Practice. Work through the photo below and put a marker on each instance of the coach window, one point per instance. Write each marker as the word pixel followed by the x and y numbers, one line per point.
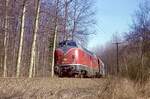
pixel 71 43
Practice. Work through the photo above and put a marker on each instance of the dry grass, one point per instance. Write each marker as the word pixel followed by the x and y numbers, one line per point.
pixel 70 88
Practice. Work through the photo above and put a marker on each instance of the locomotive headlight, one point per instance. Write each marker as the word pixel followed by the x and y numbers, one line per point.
pixel 65 59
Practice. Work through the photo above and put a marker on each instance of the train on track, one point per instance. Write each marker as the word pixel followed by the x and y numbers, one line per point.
pixel 72 60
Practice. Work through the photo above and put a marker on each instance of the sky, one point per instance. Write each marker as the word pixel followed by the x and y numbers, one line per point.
pixel 112 16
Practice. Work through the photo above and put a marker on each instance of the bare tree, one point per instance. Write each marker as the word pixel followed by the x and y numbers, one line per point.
pixel 21 37
pixel 65 18
pixel 139 38
pixel 55 36
pixel 26 39
pixel 80 19
pixel 34 38
pixel 5 40
pixel 134 52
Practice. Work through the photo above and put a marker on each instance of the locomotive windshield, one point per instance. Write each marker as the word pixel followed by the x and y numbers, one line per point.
pixel 68 43
pixel 71 43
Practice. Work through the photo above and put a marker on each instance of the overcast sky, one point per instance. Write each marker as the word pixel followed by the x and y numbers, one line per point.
pixel 112 16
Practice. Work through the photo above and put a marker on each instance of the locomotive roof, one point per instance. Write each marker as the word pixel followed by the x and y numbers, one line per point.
pixel 68 42
pixel 89 51
pixel 75 44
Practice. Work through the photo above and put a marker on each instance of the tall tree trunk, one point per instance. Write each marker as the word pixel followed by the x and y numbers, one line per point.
pixel 21 38
pixel 74 20
pixel 66 17
pixel 5 40
pixel 142 61
pixel 34 64
pixel 54 47
pixel 55 37
pixel 34 39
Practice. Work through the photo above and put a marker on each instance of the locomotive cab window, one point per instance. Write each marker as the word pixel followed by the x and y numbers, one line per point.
pixel 71 43
pixel 68 43
pixel 62 44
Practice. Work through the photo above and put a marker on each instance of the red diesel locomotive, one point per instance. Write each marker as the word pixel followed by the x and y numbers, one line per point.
pixel 75 61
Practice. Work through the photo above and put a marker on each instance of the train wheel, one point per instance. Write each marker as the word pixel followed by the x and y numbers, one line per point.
pixel 98 75
pixel 83 74
pixel 60 74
